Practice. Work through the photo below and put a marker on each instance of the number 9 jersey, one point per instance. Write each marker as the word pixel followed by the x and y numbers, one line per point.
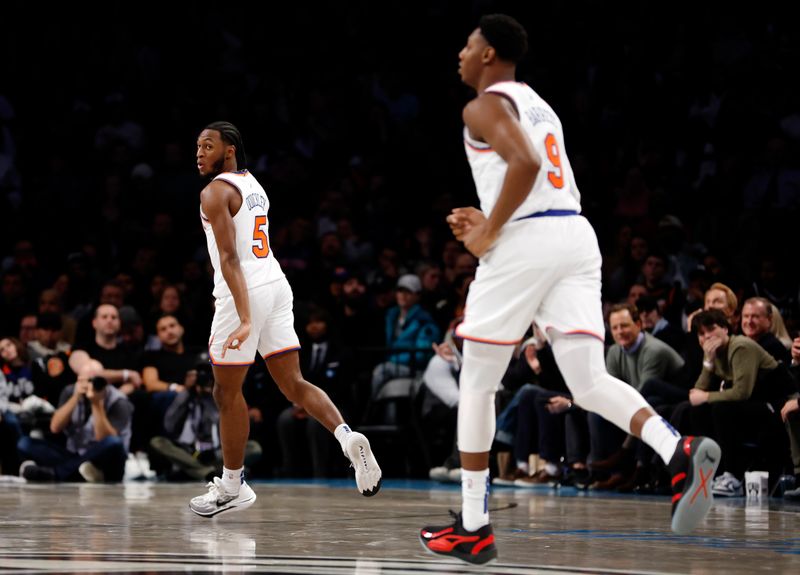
pixel 259 265
pixel 554 188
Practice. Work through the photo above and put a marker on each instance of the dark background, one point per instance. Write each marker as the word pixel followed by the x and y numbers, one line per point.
pixel 354 108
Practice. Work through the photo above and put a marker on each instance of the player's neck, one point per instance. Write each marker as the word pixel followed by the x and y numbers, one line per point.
pixel 494 76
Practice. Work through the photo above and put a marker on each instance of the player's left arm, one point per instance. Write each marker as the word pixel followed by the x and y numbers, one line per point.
pixel 493 119
pixel 215 201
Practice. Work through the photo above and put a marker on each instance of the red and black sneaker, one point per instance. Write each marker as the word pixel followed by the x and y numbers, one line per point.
pixel 692 468
pixel 476 547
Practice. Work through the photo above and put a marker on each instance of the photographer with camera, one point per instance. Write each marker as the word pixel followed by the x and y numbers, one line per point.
pixel 191 445
pixel 96 419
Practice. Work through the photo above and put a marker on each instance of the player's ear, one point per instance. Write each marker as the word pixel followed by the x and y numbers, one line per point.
pixel 489 54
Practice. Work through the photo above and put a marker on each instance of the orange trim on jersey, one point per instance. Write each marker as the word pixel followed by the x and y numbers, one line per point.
pixel 489 341
pixel 224 364
pixel 217 364
pixel 280 351
pixel 489 149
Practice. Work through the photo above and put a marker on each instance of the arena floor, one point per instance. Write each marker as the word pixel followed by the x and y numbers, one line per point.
pixel 328 528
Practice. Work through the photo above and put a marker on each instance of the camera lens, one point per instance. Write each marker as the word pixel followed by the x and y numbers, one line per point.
pixel 99 383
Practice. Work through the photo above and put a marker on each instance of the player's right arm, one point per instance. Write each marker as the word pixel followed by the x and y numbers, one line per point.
pixel 215 200
pixel 492 119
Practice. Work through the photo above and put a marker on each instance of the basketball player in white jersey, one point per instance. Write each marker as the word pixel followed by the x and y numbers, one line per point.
pixel 253 314
pixel 539 261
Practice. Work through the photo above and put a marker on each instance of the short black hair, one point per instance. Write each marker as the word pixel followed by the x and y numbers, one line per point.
pixel 709 319
pixel 230 135
pixel 647 303
pixel 507 36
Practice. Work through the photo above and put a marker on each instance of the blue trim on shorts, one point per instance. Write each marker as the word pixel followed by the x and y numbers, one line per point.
pixel 549 214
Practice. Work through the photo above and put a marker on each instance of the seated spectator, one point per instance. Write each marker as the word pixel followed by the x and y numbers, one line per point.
pixel 165 369
pixel 27 328
pixel 190 447
pixel 50 302
pixel 737 397
pixel 163 373
pixel 410 333
pixel 120 366
pixel 111 293
pixel 541 423
pixel 95 418
pixel 721 297
pixel 21 410
pixel 659 285
pixel 48 339
pixel 170 302
pixel 654 323
pixel 718 296
pixel 654 369
pixel 757 320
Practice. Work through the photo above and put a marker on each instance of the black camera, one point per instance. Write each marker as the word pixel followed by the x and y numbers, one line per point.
pixel 99 383
pixel 205 377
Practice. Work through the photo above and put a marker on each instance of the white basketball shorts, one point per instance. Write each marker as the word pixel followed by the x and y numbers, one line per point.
pixel 272 321
pixel 544 269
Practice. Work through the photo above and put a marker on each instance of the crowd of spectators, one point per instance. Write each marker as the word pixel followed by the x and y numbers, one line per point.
pixel 683 133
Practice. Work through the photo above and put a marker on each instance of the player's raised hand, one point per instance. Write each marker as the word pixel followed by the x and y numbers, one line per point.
pixel 237 337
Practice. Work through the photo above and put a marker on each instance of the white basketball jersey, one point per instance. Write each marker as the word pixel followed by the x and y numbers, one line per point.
pixel 259 266
pixel 554 188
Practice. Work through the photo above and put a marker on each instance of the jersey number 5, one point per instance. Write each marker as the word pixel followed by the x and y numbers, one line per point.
pixel 260 240
pixel 556 176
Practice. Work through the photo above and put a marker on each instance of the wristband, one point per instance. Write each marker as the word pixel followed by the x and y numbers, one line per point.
pixel 173 386
pixel 125 374
pixel 709 365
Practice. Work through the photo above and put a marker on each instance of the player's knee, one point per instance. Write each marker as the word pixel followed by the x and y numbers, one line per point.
pixel 587 385
pixel 224 395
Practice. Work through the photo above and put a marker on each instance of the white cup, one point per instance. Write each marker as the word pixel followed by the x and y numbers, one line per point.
pixel 756 484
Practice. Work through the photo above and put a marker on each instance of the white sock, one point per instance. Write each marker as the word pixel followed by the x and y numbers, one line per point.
pixel 551 469
pixel 232 479
pixel 523 466
pixel 341 432
pixel 475 499
pixel 661 436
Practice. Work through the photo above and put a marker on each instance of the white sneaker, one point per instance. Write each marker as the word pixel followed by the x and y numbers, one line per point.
pixel 217 500
pixel 91 473
pixel 726 485
pixel 440 473
pixel 454 475
pixel 368 473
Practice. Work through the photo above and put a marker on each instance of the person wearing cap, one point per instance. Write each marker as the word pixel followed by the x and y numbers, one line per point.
pixel 410 334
